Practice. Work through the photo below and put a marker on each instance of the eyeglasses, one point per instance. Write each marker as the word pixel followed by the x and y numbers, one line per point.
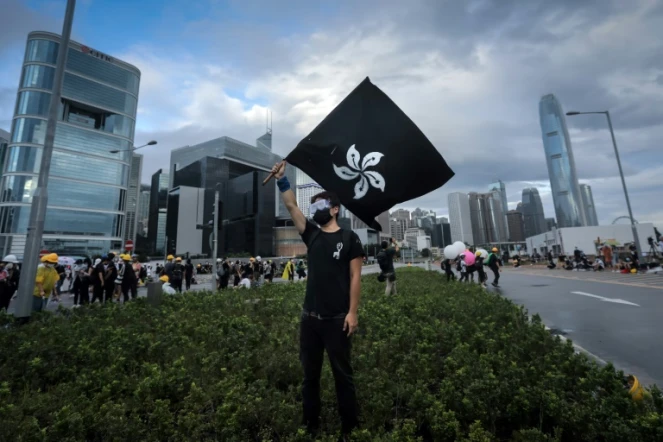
pixel 319 205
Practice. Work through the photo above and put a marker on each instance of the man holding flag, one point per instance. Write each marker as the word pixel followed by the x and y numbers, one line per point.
pixel 329 316
pixel 372 156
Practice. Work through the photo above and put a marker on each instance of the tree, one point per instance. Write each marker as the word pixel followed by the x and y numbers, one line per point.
pixel 425 253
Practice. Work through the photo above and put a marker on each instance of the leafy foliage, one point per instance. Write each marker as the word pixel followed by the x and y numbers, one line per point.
pixel 443 362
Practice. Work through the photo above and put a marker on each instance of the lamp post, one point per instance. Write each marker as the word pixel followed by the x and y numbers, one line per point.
pixel 132 149
pixel 35 229
pixel 636 239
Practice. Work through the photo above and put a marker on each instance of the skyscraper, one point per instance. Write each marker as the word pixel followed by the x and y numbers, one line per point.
pixel 487 218
pixel 87 186
pixel 133 198
pixel 4 142
pixel 532 209
pixel 498 186
pixel 516 225
pixel 156 230
pixel 588 205
pixel 561 165
pixel 459 218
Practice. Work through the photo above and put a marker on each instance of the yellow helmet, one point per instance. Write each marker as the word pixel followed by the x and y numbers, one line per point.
pixel 179 259
pixel 170 257
pixel 477 254
pixel 495 250
pixel 51 258
pixel 164 278
pixel 125 257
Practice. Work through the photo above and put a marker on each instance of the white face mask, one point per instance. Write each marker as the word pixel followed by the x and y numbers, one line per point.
pixel 48 265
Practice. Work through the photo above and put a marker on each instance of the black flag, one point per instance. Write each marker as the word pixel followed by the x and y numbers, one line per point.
pixel 371 155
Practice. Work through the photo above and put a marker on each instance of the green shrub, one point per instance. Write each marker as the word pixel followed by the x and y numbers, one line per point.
pixel 443 362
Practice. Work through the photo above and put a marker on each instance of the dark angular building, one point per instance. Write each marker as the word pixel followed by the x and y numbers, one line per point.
pixel 516 225
pixel 532 209
pixel 156 224
pixel 246 209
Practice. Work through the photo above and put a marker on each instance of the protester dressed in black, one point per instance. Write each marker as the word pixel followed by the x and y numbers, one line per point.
pixel 329 316
pixel 188 273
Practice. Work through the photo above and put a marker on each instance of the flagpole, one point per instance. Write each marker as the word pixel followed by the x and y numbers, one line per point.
pixel 271 175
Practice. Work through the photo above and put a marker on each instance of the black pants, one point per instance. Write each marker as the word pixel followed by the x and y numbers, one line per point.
pixel 81 291
pixel 496 272
pixel 176 284
pixel 224 282
pixel 130 286
pixel 188 282
pixel 5 296
pixel 482 275
pixel 450 275
pixel 316 336
pixel 98 293
pixel 109 290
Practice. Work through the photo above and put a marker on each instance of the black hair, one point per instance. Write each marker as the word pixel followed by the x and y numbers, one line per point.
pixel 384 244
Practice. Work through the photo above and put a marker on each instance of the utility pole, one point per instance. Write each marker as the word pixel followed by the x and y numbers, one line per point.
pixel 40 198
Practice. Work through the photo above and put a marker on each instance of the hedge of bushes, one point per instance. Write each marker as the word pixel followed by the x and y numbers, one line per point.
pixel 440 361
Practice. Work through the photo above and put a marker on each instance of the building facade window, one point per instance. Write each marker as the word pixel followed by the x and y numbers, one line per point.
pixel 33 103
pixel 45 51
pixel 29 130
pixel 23 159
pixel 38 77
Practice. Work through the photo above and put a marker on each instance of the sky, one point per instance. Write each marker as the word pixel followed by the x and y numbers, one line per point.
pixel 469 73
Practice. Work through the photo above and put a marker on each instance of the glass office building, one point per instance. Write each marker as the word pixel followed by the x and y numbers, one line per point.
pixel 498 186
pixel 588 205
pixel 561 165
pixel 133 198
pixel 532 209
pixel 87 188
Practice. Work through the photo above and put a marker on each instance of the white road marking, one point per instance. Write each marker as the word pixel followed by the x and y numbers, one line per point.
pixel 613 300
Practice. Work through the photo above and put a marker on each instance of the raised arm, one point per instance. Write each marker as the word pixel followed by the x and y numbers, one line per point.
pixel 288 196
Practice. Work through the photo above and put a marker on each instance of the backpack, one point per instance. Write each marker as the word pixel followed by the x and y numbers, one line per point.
pixel 143 272
pixel 383 261
pixel 177 271
pixel 220 272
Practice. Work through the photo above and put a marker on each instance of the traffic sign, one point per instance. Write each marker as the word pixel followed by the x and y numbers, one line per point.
pixel 129 245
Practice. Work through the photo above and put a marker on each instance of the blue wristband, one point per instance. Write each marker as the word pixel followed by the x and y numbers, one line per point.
pixel 283 183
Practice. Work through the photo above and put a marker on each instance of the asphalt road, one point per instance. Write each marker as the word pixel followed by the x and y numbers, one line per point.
pixel 612 316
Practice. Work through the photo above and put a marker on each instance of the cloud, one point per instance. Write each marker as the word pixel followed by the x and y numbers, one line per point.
pixel 470 74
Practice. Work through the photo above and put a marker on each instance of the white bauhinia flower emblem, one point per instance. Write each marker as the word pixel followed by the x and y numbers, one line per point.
pixel 367 178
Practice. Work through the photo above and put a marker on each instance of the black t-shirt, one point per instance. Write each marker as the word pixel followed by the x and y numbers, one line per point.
pixel 328 284
pixel 98 270
pixel 391 252
pixel 188 270
pixel 111 273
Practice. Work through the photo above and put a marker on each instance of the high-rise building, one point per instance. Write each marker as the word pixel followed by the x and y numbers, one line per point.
pixel 156 230
pixel 4 143
pixel 487 218
pixel 459 218
pixel 133 198
pixel 143 212
pixel 401 214
pixel 398 228
pixel 498 186
pixel 516 225
pixel 532 210
pixel 550 224
pixel 87 186
pixel 588 205
pixel 561 165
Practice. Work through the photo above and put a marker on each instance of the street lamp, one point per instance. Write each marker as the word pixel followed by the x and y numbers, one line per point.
pixel 621 174
pixel 151 143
